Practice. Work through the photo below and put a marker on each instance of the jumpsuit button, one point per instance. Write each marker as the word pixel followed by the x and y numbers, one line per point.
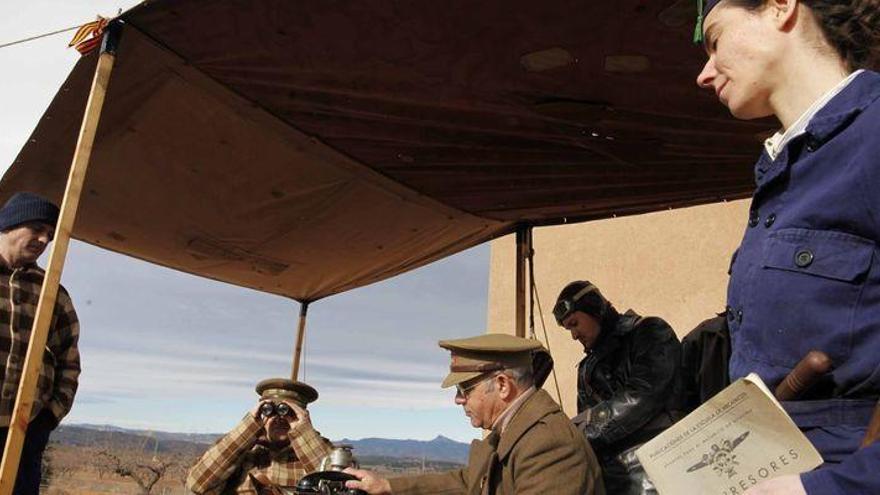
pixel 769 220
pixel 754 218
pixel 739 316
pixel 803 258
pixel 811 144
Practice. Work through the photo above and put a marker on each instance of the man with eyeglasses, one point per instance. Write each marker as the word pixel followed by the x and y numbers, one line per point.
pixel 268 452
pixel 627 381
pixel 531 448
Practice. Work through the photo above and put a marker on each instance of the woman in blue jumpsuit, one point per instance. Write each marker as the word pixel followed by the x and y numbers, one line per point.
pixel 807 273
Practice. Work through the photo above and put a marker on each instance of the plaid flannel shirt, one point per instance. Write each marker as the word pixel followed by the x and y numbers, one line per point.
pixel 19 294
pixel 227 467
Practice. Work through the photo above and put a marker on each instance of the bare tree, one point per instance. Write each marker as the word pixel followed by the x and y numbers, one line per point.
pixel 47 467
pixel 102 469
pixel 145 473
pixel 186 462
pixel 54 467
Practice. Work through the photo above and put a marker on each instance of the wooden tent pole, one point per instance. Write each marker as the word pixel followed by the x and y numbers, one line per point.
pixel 300 337
pixel 530 266
pixel 522 253
pixel 45 307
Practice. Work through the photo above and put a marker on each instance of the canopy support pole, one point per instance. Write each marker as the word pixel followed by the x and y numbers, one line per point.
pixel 523 247
pixel 300 337
pixel 48 293
pixel 533 290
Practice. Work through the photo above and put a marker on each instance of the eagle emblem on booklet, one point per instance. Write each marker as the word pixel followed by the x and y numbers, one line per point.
pixel 735 440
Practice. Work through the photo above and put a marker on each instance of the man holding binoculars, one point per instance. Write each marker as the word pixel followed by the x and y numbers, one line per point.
pixel 272 447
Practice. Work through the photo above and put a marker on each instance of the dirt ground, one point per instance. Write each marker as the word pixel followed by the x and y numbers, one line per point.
pixel 99 470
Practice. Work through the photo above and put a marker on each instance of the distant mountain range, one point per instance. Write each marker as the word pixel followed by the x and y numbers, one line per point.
pixel 114 438
pixel 438 449
pixel 204 438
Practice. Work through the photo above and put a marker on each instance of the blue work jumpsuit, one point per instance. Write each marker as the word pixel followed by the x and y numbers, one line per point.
pixel 807 276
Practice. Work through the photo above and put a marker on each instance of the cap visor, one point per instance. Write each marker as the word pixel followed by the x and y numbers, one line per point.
pixel 454 378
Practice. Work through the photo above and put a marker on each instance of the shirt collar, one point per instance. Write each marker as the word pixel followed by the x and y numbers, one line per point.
pixel 777 142
pixel 24 268
pixel 505 417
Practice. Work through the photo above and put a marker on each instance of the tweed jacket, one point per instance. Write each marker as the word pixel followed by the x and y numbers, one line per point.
pixel 539 452
pixel 59 374
pixel 234 464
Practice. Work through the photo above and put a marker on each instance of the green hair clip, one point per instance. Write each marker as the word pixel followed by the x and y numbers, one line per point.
pixel 698 29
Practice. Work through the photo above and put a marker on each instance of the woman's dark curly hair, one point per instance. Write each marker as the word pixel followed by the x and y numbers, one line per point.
pixel 852 27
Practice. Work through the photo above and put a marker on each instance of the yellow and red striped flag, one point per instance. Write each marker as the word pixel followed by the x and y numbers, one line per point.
pixel 89 36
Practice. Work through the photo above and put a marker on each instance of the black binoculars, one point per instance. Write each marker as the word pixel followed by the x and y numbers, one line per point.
pixel 269 409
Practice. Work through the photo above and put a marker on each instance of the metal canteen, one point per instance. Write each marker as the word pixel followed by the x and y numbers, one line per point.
pixel 338 459
pixel 329 479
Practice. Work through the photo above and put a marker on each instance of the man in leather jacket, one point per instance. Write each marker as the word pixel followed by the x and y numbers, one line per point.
pixel 627 381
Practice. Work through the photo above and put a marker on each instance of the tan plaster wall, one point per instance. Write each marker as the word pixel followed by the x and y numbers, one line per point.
pixel 670 264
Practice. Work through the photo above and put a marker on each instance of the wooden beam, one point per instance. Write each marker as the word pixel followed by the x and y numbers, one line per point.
pixel 300 337
pixel 46 305
pixel 522 252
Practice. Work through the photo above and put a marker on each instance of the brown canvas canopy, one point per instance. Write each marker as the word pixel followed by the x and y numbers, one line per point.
pixel 306 148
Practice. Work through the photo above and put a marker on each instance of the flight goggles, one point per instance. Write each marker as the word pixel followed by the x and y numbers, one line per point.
pixel 565 307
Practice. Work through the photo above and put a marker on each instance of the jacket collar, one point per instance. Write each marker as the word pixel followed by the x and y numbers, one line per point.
pixel 609 339
pixel 838 113
pixel 31 267
pixel 505 417
pixel 841 109
pixel 778 141
pixel 537 406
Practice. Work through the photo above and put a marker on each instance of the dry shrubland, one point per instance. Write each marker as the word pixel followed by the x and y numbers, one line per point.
pixel 74 470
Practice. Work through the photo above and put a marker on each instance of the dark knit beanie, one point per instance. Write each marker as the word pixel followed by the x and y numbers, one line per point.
pixel 26 207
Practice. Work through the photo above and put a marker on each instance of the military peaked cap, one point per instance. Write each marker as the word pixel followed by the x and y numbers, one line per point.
pixel 475 356
pixel 284 388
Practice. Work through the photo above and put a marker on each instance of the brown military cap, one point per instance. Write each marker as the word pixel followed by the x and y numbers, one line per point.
pixel 284 388
pixel 476 356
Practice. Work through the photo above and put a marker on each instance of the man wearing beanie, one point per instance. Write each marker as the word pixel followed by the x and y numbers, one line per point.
pixel 27 224
pixel 626 382
pixel 270 449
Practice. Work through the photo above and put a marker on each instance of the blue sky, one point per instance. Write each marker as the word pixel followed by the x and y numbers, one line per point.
pixel 169 351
